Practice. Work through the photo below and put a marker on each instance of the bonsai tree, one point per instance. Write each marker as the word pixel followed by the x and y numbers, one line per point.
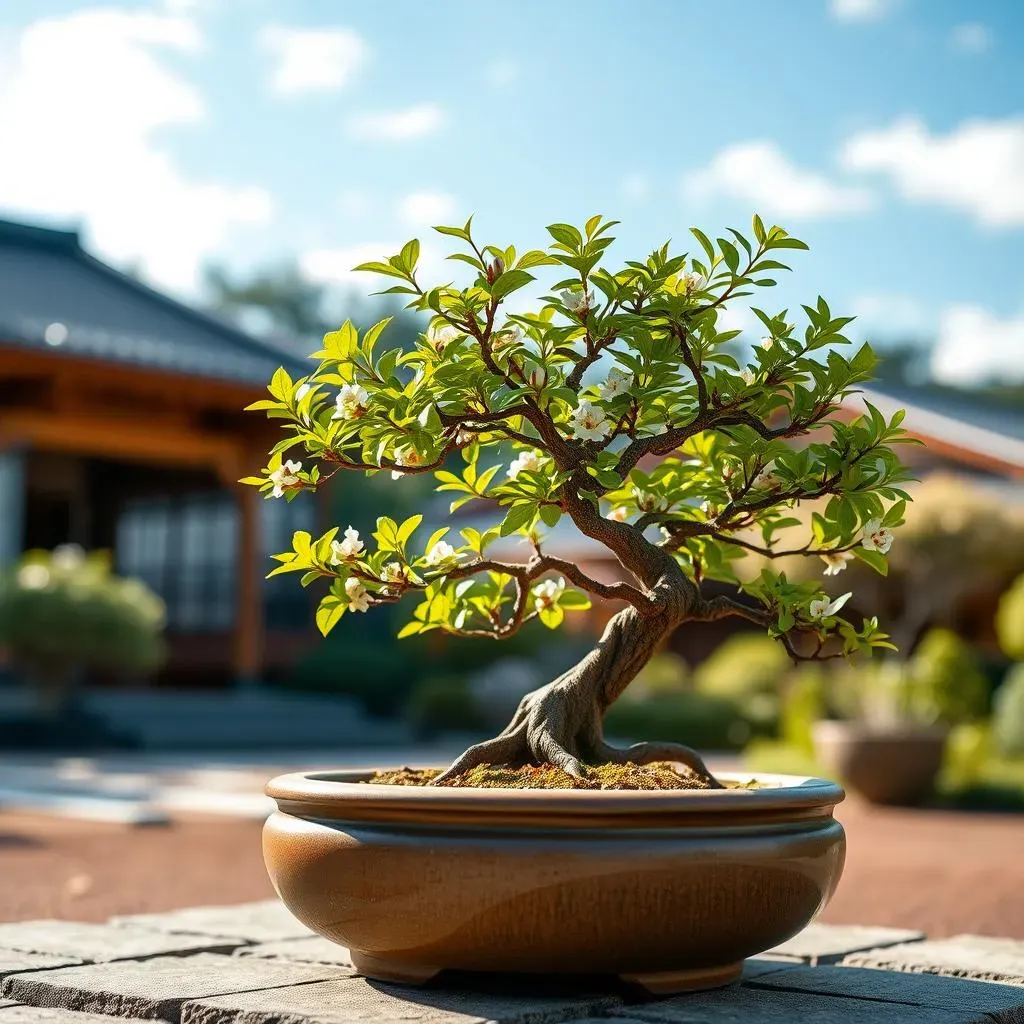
pixel 65 612
pixel 612 404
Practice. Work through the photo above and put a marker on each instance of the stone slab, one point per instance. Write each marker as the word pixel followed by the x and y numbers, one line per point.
pixel 262 921
pixel 977 957
pixel 1002 1003
pixel 13 961
pixel 98 943
pixel 156 988
pixel 757 967
pixel 829 943
pixel 18 1013
pixel 312 949
pixel 342 1002
pixel 757 1006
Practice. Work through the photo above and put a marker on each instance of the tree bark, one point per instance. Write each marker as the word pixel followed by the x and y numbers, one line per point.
pixel 561 723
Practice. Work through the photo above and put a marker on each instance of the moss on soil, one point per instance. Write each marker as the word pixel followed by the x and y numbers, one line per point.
pixel 660 775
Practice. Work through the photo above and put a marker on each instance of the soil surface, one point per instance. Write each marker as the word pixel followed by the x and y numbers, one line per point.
pixel 943 872
pixel 660 775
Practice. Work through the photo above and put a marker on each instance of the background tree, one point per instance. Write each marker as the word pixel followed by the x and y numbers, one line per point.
pixel 616 371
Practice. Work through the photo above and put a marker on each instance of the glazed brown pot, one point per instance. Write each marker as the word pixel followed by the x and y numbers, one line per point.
pixel 896 766
pixel 671 890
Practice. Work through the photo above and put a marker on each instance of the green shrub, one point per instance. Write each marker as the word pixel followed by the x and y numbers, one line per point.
pixel 803 703
pixel 665 674
pixel 1008 713
pixel 744 665
pixel 443 704
pixel 946 681
pixel 698 720
pixel 1010 619
pixel 66 612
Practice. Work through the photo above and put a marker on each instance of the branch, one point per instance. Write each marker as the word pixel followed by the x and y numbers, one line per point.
pixel 611 591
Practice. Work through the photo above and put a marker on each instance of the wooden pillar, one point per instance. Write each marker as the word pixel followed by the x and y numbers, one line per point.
pixel 249 625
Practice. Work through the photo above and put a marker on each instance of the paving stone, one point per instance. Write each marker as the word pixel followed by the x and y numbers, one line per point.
pixel 340 1002
pixel 757 966
pixel 829 943
pixel 13 961
pixel 18 1013
pixel 758 1006
pixel 313 949
pixel 98 943
pixel 963 956
pixel 157 988
pixel 263 921
pixel 1002 1003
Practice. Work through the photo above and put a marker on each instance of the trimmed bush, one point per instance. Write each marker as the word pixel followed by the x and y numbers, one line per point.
pixel 1008 714
pixel 696 719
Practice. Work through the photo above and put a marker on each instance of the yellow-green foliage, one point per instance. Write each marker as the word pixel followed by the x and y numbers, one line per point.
pixel 1008 714
pixel 664 675
pixel 946 681
pixel 1010 620
pixel 743 666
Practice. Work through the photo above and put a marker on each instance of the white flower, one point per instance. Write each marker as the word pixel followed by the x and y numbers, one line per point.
pixel 767 343
pixel 530 461
pixel 351 402
pixel 358 598
pixel 619 514
pixel 835 561
pixel 441 552
pixel 767 477
pixel 348 549
pixel 465 436
pixel 822 607
pixel 876 536
pixel 33 577
pixel 692 283
pixel 747 376
pixel 588 422
pixel 407 456
pixel 538 377
pixel 393 572
pixel 509 335
pixel 301 391
pixel 618 383
pixel 441 337
pixel 646 501
pixel 576 300
pixel 284 476
pixel 547 592
pixel 68 557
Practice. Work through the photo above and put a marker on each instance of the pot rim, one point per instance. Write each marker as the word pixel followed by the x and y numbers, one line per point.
pixel 343 795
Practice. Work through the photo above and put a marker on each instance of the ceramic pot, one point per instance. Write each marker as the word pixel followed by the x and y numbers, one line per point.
pixel 671 890
pixel 896 766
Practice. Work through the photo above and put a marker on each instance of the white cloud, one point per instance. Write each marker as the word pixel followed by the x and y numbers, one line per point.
pixel 758 172
pixel 81 100
pixel 972 37
pixel 977 167
pixel 974 346
pixel 426 208
pixel 636 187
pixel 398 125
pixel 859 10
pixel 313 60
pixel 334 266
pixel 502 73
pixel 888 316
pixel 355 203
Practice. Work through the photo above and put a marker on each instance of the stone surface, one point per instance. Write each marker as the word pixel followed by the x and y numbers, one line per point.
pixel 963 956
pixel 101 942
pixel 1003 1003
pixel 156 988
pixel 13 961
pixel 829 943
pixel 263 921
pixel 756 1006
pixel 313 949
pixel 18 1013
pixel 339 1002
pixel 756 967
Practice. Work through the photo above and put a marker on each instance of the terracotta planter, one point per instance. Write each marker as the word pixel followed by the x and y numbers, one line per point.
pixel 895 766
pixel 669 890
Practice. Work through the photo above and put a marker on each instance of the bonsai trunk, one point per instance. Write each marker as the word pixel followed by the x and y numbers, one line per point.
pixel 561 723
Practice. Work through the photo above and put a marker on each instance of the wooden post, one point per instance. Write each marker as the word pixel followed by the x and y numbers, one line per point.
pixel 249 626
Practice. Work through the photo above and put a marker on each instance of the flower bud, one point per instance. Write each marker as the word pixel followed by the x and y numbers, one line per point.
pixel 495 269
pixel 538 378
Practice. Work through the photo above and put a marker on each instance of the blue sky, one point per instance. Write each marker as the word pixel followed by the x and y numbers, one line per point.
pixel 887 133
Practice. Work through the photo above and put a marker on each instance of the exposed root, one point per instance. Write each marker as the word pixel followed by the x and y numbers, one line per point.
pixel 653 752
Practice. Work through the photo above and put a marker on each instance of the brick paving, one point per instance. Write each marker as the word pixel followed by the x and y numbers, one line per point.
pixel 277 977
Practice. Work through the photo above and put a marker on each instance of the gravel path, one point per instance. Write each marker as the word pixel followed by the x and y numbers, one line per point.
pixel 941 872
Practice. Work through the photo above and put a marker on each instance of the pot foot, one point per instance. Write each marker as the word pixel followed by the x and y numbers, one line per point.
pixel 399 972
pixel 694 979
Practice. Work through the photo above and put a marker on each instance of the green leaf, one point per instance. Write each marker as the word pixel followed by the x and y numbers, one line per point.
pixel 518 516
pixel 875 559
pixel 410 254
pixel 552 616
pixel 705 243
pixel 410 628
pixel 329 612
pixel 456 233
pixel 510 281
pixel 574 600
pixel 550 514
